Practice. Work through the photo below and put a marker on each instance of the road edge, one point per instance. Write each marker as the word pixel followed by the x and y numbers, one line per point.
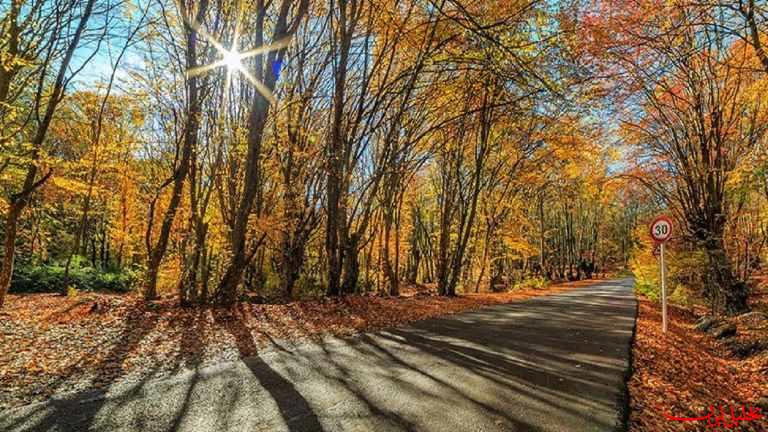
pixel 624 397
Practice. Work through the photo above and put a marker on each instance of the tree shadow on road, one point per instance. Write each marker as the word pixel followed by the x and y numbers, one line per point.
pixel 294 408
pixel 72 413
pixel 572 360
pixel 371 353
pixel 94 408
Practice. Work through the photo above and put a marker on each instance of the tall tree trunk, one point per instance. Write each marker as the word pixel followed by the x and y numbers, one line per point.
pixel 290 267
pixel 336 161
pixel 726 293
pixel 6 271
pixel 395 288
pixel 226 292
pixel 542 256
pixel 155 256
pixel 484 259
pixel 337 156
pixel 444 244
pixel 227 289
pixel 388 270
pixel 351 264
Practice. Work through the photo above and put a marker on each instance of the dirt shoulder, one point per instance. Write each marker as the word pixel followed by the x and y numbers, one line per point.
pixel 52 344
pixel 684 372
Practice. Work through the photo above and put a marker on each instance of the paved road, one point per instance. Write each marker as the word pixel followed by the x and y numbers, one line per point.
pixel 554 363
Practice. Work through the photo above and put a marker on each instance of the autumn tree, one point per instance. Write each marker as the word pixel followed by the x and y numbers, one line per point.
pixel 193 15
pixel 287 15
pixel 38 53
pixel 696 118
pixel 281 149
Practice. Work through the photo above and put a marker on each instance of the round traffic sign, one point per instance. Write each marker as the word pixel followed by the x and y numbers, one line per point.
pixel 661 229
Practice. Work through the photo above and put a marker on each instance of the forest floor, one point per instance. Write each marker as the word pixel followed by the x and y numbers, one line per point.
pixel 686 371
pixel 51 344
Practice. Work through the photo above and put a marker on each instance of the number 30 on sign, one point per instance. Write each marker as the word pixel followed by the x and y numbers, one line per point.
pixel 661 229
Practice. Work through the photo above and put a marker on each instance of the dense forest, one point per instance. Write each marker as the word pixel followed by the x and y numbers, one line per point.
pixel 221 150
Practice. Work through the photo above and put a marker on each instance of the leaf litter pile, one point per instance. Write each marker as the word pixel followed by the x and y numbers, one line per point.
pixel 51 344
pixel 684 372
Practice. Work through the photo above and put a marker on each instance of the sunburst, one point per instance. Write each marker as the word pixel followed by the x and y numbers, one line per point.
pixel 231 58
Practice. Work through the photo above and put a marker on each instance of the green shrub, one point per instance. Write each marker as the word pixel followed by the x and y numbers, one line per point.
pixel 536 282
pixel 683 296
pixel 37 278
pixel 685 270
pixel 647 287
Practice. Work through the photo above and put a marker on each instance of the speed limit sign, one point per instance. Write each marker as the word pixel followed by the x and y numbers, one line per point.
pixel 661 229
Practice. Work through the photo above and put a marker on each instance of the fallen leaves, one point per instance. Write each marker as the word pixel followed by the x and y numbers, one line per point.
pixel 52 344
pixel 684 371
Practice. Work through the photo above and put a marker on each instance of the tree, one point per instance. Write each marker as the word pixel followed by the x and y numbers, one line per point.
pixel 58 56
pixel 289 16
pixel 697 121
pixel 193 15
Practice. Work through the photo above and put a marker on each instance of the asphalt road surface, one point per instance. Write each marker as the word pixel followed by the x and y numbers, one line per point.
pixel 554 363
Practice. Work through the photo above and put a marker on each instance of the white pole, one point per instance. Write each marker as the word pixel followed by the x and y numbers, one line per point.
pixel 663 291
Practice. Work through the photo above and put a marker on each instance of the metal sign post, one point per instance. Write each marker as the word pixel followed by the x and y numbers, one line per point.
pixel 663 292
pixel 661 231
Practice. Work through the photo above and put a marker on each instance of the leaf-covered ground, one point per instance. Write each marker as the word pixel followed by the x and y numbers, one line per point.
pixel 683 372
pixel 52 344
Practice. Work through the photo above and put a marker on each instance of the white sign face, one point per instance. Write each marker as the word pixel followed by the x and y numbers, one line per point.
pixel 661 229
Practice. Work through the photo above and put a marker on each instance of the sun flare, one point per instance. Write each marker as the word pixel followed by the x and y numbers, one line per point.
pixel 231 59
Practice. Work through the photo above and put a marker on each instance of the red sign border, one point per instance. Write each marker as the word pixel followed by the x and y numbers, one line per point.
pixel 658 219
